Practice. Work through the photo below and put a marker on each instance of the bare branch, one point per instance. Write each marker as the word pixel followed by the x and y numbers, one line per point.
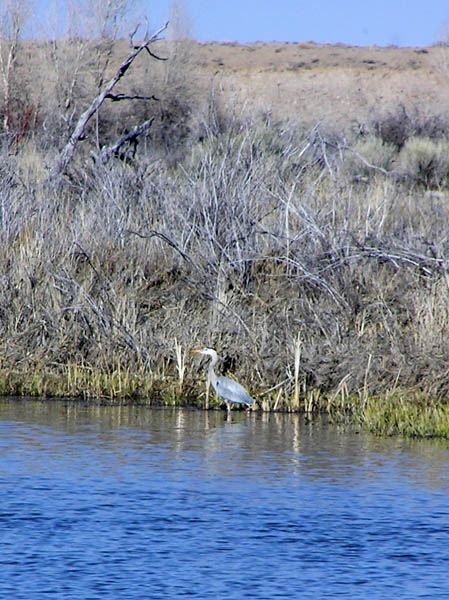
pixel 129 137
pixel 132 34
pixel 119 97
pixel 153 55
pixel 13 16
pixel 67 153
pixel 153 233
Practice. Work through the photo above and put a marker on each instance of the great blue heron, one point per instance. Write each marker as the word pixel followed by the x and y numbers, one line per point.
pixel 229 390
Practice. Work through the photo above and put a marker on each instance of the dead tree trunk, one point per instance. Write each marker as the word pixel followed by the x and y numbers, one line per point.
pixel 128 138
pixel 63 160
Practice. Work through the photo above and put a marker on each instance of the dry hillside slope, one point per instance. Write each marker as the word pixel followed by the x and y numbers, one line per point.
pixel 326 83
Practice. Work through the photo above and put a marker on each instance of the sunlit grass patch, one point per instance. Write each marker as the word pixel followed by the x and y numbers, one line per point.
pixel 400 413
pixel 75 381
pixel 410 417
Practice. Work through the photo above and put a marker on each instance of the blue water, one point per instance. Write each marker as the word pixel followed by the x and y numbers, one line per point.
pixel 100 502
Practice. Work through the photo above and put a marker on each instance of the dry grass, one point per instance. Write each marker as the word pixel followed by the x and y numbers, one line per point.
pixel 317 282
pixel 241 246
pixel 338 86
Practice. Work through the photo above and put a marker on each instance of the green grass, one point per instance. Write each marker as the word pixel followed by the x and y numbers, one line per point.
pixel 74 381
pixel 404 414
pixel 408 415
pixel 399 415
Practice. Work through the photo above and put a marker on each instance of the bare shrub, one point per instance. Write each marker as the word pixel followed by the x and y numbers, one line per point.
pixel 393 128
pixel 242 235
pixel 396 127
pixel 17 109
pixel 425 161
pixel 367 156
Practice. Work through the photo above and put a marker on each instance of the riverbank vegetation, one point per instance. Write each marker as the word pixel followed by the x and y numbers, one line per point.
pixel 313 258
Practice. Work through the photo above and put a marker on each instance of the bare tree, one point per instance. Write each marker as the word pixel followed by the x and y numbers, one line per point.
pixel 84 34
pixel 13 16
pixel 79 132
pixel 108 17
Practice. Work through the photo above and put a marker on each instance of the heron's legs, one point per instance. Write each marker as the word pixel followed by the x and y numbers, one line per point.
pixel 228 406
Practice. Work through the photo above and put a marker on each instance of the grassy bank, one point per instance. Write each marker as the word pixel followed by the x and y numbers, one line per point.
pixel 315 261
pixel 399 413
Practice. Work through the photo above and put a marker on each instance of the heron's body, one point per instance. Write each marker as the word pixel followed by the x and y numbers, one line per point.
pixel 229 390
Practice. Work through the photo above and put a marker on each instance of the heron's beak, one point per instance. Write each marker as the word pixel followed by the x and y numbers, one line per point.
pixel 196 351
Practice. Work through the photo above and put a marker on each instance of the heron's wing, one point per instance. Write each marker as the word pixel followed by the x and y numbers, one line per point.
pixel 232 391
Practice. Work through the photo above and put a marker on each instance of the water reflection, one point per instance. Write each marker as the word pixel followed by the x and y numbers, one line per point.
pixel 133 502
pixel 245 444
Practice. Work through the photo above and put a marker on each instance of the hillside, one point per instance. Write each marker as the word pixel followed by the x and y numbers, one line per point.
pixel 332 84
pixel 340 87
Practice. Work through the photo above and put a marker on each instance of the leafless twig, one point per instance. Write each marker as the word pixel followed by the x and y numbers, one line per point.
pixel 128 138
pixel 61 164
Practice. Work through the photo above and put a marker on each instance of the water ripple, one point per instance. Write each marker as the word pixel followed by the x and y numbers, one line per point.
pixel 100 502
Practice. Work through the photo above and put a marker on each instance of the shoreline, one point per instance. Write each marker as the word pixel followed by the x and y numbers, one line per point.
pixel 403 413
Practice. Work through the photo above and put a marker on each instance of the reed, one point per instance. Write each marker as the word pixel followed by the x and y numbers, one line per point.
pixel 397 415
pixel 76 381
pixel 180 364
pixel 298 346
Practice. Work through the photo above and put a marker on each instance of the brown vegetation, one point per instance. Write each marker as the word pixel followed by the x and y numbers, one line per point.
pixel 270 212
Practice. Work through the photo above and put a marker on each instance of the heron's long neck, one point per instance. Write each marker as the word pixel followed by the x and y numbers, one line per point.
pixel 212 376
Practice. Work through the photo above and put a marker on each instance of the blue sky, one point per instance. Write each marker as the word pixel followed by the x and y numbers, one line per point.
pixel 358 22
